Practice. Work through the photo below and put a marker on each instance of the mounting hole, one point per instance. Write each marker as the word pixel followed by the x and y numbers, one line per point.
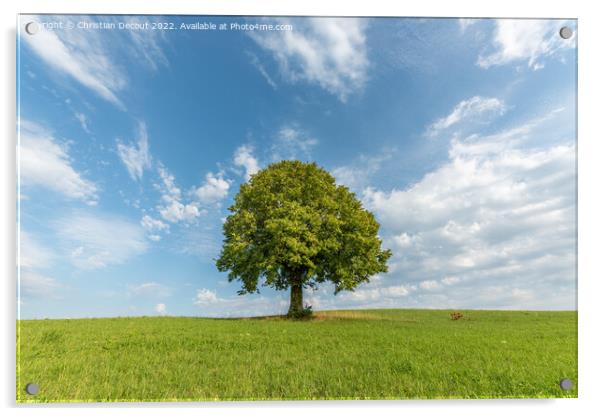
pixel 32 389
pixel 32 28
pixel 566 384
pixel 566 32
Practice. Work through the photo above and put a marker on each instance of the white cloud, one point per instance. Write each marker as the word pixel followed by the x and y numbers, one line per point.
pixel 468 110
pixel 348 176
pixel 172 208
pixel 33 254
pixel 499 217
pixel 145 45
pixel 396 291
pixel 465 24
pixel 149 289
pixel 83 121
pixel 168 185
pixel 210 304
pixel 429 285
pixel 358 174
pixel 205 296
pixel 136 157
pixel 33 258
pixel 34 284
pixel 213 190
pixel 329 52
pixel 403 240
pixel 202 242
pixel 522 295
pixel 450 280
pixel 161 309
pixel 372 293
pixel 519 40
pixel 474 145
pixel 243 157
pixel 98 241
pixel 151 224
pixel 87 56
pixel 176 211
pixel 292 143
pixel 257 64
pixel 44 162
pixel 82 55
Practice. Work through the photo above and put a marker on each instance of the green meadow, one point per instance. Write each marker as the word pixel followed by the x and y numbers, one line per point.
pixel 361 354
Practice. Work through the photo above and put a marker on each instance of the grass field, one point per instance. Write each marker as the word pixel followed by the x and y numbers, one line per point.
pixel 368 354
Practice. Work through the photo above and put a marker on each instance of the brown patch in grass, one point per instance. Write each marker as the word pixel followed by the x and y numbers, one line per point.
pixel 456 316
pixel 359 315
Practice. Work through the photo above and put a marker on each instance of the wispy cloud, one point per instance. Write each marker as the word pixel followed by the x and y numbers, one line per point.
pixel 292 142
pixel 95 241
pixel 83 56
pixel 33 254
pixel 465 24
pixel 257 64
pixel 45 162
pixel 90 57
pixel 517 41
pixel 146 45
pixel 34 259
pixel 329 52
pixel 136 156
pixel 151 224
pixel 358 174
pixel 149 290
pixel 83 121
pixel 153 227
pixel 481 108
pixel 34 284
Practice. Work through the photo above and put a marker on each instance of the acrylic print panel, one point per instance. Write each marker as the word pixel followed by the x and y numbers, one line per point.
pixel 271 208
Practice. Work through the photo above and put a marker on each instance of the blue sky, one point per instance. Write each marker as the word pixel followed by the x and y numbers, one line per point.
pixel 458 134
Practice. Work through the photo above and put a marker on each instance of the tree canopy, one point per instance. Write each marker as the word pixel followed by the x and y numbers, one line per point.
pixel 291 226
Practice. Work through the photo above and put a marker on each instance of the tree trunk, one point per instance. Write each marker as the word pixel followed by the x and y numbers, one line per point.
pixel 296 307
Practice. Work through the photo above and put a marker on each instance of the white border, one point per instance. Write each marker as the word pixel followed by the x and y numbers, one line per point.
pixel 590 175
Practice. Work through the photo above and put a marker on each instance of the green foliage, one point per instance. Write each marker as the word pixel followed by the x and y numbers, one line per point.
pixel 371 354
pixel 292 225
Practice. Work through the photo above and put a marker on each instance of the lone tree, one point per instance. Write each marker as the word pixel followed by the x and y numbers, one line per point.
pixel 291 226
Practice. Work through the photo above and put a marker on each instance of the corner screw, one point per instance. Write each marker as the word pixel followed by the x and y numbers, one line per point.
pixel 32 28
pixel 566 384
pixel 32 389
pixel 566 32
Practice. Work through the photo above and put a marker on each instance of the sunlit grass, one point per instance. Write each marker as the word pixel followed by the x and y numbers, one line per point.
pixel 364 354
